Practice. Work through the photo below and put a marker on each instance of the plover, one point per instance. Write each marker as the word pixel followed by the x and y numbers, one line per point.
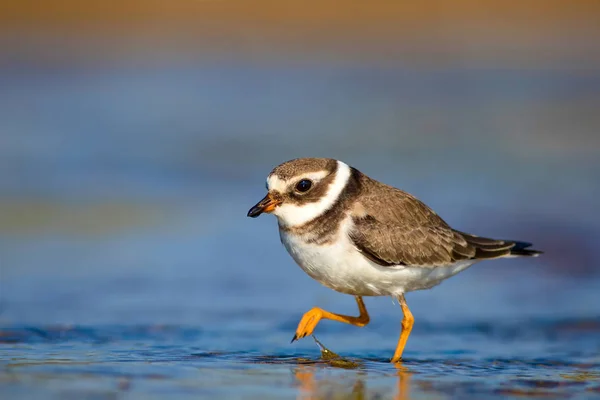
pixel 361 237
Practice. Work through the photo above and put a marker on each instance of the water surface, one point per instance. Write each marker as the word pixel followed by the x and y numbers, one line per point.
pixel 129 269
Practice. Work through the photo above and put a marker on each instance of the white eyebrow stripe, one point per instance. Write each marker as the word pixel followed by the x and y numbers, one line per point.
pixel 315 176
pixel 276 183
pixel 293 215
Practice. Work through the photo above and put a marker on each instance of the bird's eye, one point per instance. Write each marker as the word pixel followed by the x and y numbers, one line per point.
pixel 303 186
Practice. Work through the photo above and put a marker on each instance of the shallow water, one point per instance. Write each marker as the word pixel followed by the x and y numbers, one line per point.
pixel 129 269
pixel 528 358
pixel 219 345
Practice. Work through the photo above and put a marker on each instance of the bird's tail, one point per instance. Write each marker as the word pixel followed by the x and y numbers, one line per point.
pixel 521 249
pixel 486 248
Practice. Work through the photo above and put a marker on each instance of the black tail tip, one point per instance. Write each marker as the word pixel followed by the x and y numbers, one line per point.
pixel 522 249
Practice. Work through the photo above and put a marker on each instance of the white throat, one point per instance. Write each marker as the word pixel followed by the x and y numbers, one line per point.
pixel 291 215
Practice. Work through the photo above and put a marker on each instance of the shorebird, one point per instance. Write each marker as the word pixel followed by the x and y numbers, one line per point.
pixel 361 237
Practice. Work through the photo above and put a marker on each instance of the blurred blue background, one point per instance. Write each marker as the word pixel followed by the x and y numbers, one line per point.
pixel 134 140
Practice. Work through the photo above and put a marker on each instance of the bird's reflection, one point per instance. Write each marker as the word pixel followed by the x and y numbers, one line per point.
pixel 311 388
pixel 403 391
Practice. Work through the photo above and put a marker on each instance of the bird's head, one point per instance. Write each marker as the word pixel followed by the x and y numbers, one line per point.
pixel 302 189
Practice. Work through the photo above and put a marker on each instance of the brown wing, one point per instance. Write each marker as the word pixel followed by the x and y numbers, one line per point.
pixel 408 244
pixel 391 227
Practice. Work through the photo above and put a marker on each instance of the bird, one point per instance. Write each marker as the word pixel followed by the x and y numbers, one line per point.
pixel 361 237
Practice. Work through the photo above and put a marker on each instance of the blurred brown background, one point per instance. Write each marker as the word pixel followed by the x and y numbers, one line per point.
pixel 499 34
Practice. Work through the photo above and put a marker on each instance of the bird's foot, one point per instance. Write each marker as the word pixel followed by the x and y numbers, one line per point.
pixel 308 323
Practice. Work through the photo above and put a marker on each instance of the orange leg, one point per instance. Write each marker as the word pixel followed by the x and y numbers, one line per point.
pixel 309 321
pixel 407 324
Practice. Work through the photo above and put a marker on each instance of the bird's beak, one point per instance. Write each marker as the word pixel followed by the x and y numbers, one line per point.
pixel 267 204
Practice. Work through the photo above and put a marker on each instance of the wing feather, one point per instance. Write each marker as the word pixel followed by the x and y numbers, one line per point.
pixel 393 227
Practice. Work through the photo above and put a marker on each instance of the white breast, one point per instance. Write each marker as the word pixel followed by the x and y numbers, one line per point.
pixel 341 267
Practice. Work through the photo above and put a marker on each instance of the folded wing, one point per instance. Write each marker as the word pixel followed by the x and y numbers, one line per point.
pixel 398 229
